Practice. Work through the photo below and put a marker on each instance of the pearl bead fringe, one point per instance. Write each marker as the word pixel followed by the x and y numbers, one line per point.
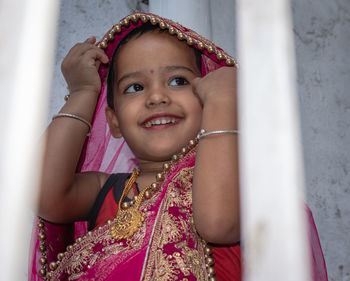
pixel 207 45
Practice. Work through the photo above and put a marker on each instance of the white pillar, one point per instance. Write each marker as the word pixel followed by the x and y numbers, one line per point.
pixel 274 227
pixel 194 14
pixel 26 55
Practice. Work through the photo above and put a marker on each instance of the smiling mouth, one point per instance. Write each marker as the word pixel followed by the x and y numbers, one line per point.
pixel 160 121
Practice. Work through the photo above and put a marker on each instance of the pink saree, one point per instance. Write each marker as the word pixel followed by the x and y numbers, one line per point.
pixel 166 246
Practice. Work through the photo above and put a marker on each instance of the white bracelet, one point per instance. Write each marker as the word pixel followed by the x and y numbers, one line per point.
pixel 203 133
pixel 74 117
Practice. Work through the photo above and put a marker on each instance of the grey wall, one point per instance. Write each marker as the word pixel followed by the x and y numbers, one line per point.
pixel 322 39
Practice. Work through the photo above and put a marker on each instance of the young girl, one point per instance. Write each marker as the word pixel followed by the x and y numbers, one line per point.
pixel 163 85
pixel 158 103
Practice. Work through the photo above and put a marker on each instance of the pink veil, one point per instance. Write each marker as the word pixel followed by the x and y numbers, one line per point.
pixel 104 153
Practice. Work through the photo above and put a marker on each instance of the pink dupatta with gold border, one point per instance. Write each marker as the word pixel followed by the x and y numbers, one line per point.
pixel 167 246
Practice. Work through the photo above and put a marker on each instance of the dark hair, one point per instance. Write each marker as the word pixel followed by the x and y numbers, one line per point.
pixel 137 32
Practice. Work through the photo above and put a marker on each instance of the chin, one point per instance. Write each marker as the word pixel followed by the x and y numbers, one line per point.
pixel 159 153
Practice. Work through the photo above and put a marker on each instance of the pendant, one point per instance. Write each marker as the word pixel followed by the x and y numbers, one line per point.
pixel 127 223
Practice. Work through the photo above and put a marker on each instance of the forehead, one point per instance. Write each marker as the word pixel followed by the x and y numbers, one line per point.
pixel 153 49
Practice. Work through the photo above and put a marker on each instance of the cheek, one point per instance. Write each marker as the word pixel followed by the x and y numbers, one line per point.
pixel 198 118
pixel 128 110
pixel 123 114
pixel 196 110
pixel 196 105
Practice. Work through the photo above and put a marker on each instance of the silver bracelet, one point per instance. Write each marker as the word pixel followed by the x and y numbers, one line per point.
pixel 74 117
pixel 203 133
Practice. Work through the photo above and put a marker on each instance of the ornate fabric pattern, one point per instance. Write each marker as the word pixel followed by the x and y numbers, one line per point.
pixel 167 242
pixel 176 251
pixel 98 252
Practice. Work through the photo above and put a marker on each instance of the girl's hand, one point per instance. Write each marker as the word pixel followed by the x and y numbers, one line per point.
pixel 219 85
pixel 80 67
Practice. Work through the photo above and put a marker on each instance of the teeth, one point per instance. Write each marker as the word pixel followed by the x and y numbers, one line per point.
pixel 155 122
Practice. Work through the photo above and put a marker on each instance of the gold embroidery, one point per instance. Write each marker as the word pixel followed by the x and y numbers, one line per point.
pixel 78 260
pixel 193 259
pixel 181 264
pixel 177 196
pixel 173 229
pixel 82 255
pixel 176 250
pixel 166 268
pixel 176 245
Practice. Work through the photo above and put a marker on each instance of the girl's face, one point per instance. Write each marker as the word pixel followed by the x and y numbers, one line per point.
pixel 156 110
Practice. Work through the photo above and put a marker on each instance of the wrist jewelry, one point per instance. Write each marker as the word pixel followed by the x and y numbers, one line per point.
pixel 203 133
pixel 74 117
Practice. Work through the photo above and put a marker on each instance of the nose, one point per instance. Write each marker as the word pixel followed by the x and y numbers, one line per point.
pixel 157 96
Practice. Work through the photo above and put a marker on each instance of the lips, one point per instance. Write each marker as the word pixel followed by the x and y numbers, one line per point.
pixel 161 120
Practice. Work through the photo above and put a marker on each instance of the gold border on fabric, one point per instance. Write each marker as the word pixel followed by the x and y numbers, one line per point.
pixel 81 256
pixel 176 248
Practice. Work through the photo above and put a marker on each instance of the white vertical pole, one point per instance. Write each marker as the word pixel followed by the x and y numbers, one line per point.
pixel 194 14
pixel 26 56
pixel 274 227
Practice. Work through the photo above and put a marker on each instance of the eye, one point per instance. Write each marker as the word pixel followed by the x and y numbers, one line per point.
pixel 178 81
pixel 134 88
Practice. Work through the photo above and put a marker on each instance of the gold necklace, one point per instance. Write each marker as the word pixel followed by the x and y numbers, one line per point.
pixel 128 221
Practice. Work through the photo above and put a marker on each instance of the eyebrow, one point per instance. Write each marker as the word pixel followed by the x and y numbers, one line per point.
pixel 129 75
pixel 166 68
pixel 177 67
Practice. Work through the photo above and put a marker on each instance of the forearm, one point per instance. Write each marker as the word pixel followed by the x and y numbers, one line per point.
pixel 64 140
pixel 216 181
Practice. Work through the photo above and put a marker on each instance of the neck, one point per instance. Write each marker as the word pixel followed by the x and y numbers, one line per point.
pixel 148 172
pixel 150 167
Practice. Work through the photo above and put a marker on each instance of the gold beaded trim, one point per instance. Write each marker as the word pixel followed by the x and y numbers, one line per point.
pixel 209 262
pixel 46 271
pixel 134 18
pixel 42 248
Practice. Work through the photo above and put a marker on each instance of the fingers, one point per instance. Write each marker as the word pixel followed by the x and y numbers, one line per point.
pixel 220 83
pixel 96 54
pixel 101 56
pixel 80 48
pixel 86 51
pixel 91 40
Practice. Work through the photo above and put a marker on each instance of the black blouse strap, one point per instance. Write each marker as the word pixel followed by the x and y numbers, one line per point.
pixel 115 181
pixel 119 186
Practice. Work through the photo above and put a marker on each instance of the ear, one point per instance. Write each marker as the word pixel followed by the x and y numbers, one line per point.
pixel 113 122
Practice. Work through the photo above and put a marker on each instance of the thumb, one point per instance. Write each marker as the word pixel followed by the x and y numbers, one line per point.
pixel 101 56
